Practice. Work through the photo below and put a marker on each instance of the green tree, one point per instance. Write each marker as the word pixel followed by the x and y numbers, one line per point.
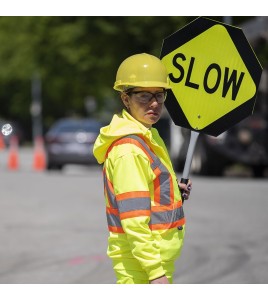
pixel 75 57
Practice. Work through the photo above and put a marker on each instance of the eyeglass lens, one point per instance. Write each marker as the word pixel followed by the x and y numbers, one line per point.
pixel 146 97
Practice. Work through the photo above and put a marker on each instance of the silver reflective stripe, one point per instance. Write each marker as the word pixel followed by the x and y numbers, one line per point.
pixel 110 194
pixel 156 163
pixel 132 204
pixel 164 177
pixel 113 220
pixel 144 203
pixel 167 216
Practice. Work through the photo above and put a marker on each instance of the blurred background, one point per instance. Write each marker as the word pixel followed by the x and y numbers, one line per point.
pixel 56 79
pixel 64 67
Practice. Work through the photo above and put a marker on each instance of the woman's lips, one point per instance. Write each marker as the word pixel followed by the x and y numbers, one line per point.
pixel 152 113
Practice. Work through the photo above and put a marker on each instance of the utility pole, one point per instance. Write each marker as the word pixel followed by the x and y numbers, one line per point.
pixel 36 107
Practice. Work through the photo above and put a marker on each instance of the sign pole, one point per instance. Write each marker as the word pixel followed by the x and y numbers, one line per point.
pixel 214 75
pixel 189 157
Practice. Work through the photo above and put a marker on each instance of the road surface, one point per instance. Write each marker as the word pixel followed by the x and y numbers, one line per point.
pixel 53 228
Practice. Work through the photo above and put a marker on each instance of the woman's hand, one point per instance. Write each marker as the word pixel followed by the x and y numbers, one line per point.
pixel 185 189
pixel 160 280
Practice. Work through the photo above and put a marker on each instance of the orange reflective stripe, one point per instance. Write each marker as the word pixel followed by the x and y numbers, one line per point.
pixel 159 226
pixel 161 208
pixel 111 191
pixel 134 213
pixel 129 195
pixel 126 140
pixel 115 229
pixel 113 211
pixel 171 216
pixel 108 190
pixel 164 214
pixel 157 191
pixel 157 183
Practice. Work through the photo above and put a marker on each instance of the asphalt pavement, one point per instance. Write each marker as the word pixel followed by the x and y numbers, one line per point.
pixel 53 228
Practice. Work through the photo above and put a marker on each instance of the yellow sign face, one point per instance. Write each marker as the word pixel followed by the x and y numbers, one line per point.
pixel 208 77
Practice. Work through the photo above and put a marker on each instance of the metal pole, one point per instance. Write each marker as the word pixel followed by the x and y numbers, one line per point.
pixel 189 157
pixel 36 107
pixel 190 153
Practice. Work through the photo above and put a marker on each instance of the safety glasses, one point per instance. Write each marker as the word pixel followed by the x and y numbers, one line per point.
pixel 145 97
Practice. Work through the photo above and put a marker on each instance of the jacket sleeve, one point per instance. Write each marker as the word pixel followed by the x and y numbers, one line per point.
pixel 131 181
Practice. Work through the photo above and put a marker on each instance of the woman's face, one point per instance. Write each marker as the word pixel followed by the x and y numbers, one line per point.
pixel 146 112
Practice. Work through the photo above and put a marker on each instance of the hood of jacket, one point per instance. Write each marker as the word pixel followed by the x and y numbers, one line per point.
pixel 121 125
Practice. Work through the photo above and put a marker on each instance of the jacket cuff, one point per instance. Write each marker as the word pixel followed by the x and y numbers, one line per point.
pixel 156 273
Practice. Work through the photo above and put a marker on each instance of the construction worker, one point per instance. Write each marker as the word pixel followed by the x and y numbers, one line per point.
pixel 143 200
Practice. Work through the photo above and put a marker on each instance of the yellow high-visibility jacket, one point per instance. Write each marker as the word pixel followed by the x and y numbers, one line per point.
pixel 143 202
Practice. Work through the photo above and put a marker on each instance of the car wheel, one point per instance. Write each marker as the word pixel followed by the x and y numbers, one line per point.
pixel 51 166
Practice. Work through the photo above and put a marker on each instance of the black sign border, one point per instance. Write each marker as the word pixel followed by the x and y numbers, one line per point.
pixel 191 31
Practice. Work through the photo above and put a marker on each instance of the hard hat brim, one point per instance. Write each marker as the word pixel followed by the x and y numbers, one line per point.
pixel 122 86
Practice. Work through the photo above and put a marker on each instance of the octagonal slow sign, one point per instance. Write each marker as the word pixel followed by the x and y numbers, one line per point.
pixel 214 75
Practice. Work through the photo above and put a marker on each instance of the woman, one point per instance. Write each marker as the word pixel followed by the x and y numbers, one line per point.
pixel 143 201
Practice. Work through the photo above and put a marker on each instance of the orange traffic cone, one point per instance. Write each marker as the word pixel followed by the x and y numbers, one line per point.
pixel 39 159
pixel 13 156
pixel 2 142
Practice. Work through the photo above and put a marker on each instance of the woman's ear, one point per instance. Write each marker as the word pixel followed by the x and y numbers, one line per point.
pixel 125 100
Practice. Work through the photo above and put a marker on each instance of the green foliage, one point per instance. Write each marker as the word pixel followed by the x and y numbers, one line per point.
pixel 75 57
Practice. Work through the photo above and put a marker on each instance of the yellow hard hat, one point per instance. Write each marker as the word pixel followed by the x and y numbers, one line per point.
pixel 143 70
